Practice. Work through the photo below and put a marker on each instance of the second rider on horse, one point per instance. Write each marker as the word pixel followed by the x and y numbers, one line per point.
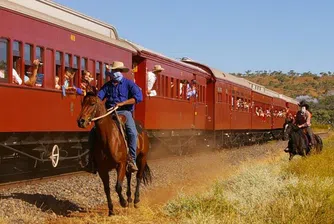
pixel 303 120
pixel 123 93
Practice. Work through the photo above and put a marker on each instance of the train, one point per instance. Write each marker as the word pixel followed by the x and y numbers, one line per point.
pixel 226 110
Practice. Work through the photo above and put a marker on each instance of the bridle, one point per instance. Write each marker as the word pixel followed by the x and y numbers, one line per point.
pixel 109 111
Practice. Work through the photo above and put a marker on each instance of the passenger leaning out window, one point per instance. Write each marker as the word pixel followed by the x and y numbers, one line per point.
pixel 191 89
pixel 86 80
pixel 152 78
pixel 57 86
pixel 29 79
pixel 68 76
pixel 2 70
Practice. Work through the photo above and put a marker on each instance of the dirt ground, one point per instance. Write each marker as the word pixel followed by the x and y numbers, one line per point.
pixel 188 174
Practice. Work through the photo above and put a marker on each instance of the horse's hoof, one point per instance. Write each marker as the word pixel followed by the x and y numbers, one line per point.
pixel 130 200
pixel 124 203
pixel 136 203
pixel 137 200
pixel 111 213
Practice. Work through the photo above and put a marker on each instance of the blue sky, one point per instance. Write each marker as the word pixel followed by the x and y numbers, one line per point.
pixel 233 36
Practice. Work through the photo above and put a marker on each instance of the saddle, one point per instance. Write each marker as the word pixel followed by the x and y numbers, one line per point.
pixel 121 124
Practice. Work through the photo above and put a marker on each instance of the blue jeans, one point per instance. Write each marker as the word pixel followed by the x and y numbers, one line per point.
pixel 131 132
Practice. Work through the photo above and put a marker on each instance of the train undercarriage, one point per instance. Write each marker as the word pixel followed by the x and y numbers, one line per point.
pixel 29 155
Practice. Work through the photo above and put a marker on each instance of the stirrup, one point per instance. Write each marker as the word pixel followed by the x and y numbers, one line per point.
pixel 131 167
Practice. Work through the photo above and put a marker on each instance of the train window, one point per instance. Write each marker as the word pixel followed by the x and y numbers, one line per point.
pixel 75 66
pixel 220 97
pixel 75 62
pixel 232 102
pixel 183 89
pixel 3 60
pixel 27 61
pixel 68 60
pixel 59 57
pixel 104 73
pixel 17 62
pixel 27 54
pixel 172 89
pixel 68 64
pixel 98 73
pixel 83 64
pixel 39 53
pixel 198 94
pixel 40 73
pixel 177 88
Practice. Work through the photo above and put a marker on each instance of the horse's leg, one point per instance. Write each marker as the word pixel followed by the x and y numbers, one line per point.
pixel 105 179
pixel 120 177
pixel 291 156
pixel 141 162
pixel 128 191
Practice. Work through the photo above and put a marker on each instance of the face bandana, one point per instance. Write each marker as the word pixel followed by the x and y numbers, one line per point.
pixel 116 76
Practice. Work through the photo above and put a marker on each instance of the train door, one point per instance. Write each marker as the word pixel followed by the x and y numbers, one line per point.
pixel 139 77
pixel 209 104
pixel 49 69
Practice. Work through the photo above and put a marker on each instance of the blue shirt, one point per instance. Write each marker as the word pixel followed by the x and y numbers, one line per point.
pixel 124 90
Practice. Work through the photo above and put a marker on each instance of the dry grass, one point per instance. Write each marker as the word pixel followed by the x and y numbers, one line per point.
pixel 302 192
pixel 271 191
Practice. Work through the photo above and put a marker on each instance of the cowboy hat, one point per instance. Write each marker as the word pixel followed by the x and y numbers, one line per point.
pixel 119 66
pixel 157 68
pixel 304 104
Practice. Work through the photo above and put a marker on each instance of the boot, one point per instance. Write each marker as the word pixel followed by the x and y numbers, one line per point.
pixel 132 167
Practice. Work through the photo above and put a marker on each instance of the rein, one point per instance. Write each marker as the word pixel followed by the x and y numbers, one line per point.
pixel 110 110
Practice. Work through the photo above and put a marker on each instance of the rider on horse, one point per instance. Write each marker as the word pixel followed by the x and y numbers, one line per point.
pixel 303 120
pixel 123 93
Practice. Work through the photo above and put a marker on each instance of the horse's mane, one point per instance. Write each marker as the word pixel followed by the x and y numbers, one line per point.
pixel 90 93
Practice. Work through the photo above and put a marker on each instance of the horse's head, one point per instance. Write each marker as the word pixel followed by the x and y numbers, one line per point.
pixel 89 109
pixel 287 127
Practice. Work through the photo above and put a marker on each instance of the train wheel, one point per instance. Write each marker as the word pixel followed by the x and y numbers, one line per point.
pixel 55 156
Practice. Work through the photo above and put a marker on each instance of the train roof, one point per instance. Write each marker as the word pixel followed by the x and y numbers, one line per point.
pixel 142 49
pixel 54 13
pixel 218 73
pixel 241 81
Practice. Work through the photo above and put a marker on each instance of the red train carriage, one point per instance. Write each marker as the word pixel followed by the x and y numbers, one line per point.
pixel 170 115
pixel 242 110
pixel 40 116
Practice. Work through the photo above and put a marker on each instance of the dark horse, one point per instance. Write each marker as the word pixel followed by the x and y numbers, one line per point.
pixel 298 142
pixel 109 150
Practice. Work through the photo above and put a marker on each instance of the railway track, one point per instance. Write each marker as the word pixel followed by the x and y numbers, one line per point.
pixel 30 177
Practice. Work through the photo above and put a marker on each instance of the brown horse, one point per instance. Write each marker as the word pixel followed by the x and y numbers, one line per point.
pixel 109 150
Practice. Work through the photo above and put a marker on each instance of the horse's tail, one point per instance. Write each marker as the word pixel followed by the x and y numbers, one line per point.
pixel 319 145
pixel 147 175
